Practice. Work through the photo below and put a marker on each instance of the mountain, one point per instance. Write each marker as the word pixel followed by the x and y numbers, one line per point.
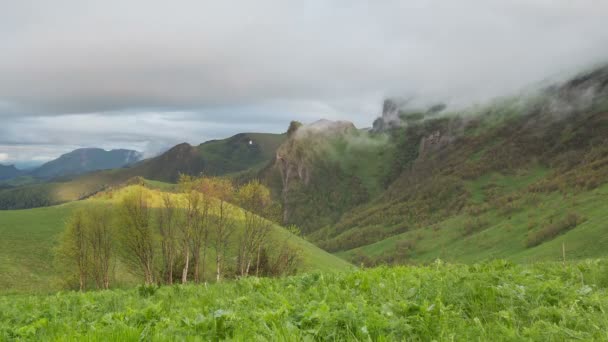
pixel 9 171
pixel 86 160
pixel 239 153
pixel 523 178
pixel 235 154
pixel 515 179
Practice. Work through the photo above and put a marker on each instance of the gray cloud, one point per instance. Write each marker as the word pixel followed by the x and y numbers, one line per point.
pixel 152 73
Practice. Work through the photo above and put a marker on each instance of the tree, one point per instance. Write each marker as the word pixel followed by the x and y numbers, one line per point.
pixel 101 241
pixel 73 248
pixel 137 238
pixel 200 232
pixel 167 222
pixel 223 222
pixel 191 220
pixel 254 197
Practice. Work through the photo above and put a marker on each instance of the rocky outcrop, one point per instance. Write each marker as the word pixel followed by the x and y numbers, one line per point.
pixel 296 158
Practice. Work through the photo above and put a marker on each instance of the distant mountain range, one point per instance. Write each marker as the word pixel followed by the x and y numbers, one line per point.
pixel 242 155
pixel 86 160
pixel 75 163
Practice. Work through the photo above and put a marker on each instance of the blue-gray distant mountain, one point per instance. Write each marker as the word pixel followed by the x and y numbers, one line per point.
pixel 9 171
pixel 86 160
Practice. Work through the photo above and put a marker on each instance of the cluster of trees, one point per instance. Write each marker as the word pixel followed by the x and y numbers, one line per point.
pixel 174 238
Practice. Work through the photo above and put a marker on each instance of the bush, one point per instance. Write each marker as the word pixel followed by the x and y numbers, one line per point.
pixel 554 229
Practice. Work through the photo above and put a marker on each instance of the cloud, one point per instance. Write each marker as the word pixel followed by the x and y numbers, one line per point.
pixel 142 73
pixel 3 157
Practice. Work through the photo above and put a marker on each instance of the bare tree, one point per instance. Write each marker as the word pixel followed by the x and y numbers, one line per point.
pixel 189 224
pixel 223 226
pixel 167 221
pixel 255 199
pixel 200 232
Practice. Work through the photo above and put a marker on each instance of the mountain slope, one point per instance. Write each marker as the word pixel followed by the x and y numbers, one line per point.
pixel 86 160
pixel 29 237
pixel 423 175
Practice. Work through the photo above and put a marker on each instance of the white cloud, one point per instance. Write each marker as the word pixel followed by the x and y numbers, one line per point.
pixel 3 157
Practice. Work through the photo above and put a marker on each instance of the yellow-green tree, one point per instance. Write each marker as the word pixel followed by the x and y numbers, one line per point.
pixel 73 250
pixel 101 242
pixel 136 233
pixel 168 220
pixel 223 223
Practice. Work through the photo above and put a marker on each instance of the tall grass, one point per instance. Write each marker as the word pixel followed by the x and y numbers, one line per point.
pixel 496 301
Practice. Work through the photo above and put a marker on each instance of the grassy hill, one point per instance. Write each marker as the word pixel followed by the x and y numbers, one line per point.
pixel 496 301
pixel 217 157
pixel 29 236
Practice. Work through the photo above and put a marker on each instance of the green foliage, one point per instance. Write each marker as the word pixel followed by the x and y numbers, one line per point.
pixel 495 300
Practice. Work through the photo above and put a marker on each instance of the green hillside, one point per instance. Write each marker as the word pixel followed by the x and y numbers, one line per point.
pixel 29 236
pixel 513 179
pixel 217 157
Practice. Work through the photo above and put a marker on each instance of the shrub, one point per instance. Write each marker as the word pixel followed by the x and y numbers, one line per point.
pixel 554 229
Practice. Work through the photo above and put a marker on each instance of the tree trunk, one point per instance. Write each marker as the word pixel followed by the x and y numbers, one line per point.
pixel 257 266
pixel 196 265
pixel 185 270
pixel 248 265
pixel 106 281
pixel 218 262
pixel 170 271
pixel 82 282
pixel 204 260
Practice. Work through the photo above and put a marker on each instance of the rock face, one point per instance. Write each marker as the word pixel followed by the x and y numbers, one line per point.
pixel 440 138
pixel 390 115
pixel 400 112
pixel 294 156
pixel 301 154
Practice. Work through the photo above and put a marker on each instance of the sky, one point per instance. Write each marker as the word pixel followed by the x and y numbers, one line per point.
pixel 146 74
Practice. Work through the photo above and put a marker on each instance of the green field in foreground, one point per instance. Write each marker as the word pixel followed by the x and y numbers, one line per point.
pixel 496 300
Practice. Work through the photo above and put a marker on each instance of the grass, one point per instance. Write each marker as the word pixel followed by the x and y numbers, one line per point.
pixel 29 236
pixel 504 183
pixel 496 300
